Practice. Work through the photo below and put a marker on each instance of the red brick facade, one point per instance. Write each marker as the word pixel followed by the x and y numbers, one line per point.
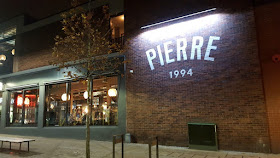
pixel 227 91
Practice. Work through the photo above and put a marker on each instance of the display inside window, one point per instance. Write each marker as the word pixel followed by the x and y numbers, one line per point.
pixel 24 107
pixel 105 107
pixel 67 103
pixel 56 108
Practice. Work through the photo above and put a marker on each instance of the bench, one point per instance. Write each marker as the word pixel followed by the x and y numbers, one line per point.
pixel 15 140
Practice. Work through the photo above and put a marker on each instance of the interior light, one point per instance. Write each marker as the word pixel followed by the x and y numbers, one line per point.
pixel 1 86
pixel 112 92
pixel 19 101
pixel 13 52
pixel 86 110
pixel 26 101
pixel 52 106
pixel 64 97
pixel 86 94
pixel 178 18
pixel 3 57
pixel 122 17
pixel 104 107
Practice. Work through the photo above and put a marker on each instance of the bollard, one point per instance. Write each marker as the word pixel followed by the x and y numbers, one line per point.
pixel 153 143
pixel 116 141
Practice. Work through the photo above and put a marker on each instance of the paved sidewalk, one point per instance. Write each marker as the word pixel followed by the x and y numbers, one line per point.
pixel 71 148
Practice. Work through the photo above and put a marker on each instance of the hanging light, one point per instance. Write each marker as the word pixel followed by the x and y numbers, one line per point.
pixel 3 57
pixel 112 92
pixel 19 101
pixel 13 51
pixel 86 94
pixel 64 97
pixel 26 101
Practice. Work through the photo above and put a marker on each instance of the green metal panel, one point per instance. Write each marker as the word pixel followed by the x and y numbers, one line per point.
pixel 203 136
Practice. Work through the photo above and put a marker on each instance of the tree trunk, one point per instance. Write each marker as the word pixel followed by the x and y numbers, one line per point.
pixel 87 138
pixel 89 101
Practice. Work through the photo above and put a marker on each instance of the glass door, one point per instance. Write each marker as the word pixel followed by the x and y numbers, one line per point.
pixel 24 107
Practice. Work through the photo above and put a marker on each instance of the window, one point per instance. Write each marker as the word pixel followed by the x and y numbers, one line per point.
pixel 105 107
pixel 56 108
pixel 24 107
pixel 7 49
pixel 117 26
pixel 66 103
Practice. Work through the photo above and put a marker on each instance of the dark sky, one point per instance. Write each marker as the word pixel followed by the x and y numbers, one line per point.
pixel 37 9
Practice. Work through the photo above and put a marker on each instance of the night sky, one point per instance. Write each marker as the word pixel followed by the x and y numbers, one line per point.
pixel 36 9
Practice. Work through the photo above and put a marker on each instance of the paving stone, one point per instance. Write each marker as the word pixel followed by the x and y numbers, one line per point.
pixel 199 156
pixel 246 156
pixel 175 154
pixel 164 153
pixel 212 156
pixel 187 155
pixel 234 156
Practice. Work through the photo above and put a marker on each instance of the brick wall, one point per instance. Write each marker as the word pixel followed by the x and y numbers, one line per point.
pixel 34 48
pixel 268 24
pixel 227 91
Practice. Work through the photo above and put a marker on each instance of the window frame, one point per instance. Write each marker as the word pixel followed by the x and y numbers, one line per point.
pixel 8 123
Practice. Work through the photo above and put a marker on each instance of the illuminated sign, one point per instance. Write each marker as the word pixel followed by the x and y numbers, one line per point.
pixel 172 43
pixel 181 53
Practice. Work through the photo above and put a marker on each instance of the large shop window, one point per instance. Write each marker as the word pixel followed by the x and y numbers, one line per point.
pixel 67 104
pixel 24 108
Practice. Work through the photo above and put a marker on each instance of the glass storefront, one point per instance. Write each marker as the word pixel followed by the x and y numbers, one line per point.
pixel 66 103
pixel 23 110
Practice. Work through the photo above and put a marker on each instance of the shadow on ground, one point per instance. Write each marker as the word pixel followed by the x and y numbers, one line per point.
pixel 18 153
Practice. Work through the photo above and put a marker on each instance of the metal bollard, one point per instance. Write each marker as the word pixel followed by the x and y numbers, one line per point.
pixel 153 143
pixel 116 141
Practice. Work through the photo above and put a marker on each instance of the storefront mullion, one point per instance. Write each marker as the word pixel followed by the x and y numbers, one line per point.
pixel 23 108
pixel 1 103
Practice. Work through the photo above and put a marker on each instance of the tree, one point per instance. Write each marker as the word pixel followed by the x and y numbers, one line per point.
pixel 85 46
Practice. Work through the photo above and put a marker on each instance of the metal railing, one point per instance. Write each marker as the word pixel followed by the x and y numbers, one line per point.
pixel 118 40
